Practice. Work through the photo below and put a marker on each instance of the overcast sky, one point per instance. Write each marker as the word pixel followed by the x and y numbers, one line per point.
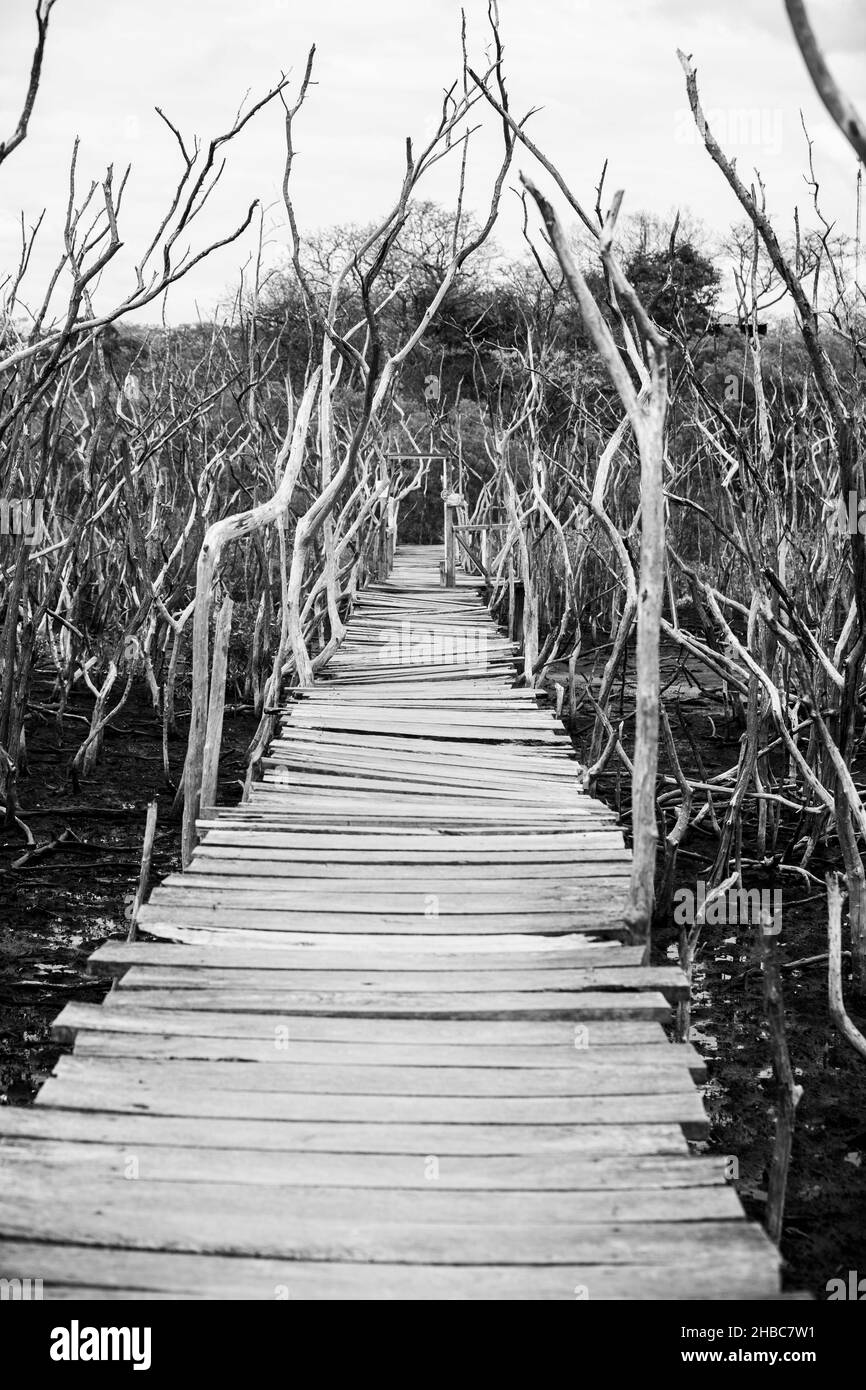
pixel 604 72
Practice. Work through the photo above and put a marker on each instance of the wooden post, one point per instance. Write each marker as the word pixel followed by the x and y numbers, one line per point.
pixel 192 773
pixel 517 612
pixel 393 516
pixel 216 705
pixel 788 1092
pixel 450 546
pixel 648 676
pixel 383 546
pixel 144 874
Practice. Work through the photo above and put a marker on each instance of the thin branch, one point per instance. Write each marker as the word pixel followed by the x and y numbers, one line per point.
pixel 43 10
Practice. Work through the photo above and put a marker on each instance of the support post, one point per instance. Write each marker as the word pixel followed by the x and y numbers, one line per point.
pixel 216 705
pixel 382 558
pixel 450 546
pixel 517 612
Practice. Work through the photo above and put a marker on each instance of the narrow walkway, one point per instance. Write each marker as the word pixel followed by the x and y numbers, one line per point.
pixel 401 1052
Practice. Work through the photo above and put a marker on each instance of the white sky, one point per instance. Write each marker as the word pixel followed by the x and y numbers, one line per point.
pixel 604 71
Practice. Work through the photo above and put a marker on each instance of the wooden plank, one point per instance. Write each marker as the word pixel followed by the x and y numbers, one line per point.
pixel 220 1229
pixel 473 898
pixel 520 1172
pixel 410 938
pixel 312 877
pixel 192 1047
pixel 274 846
pixel 125 1011
pixel 123 1208
pixel 77 1272
pixel 678 1107
pixel 283 1136
pixel 412 849
pixel 382 1003
pixel 412 841
pixel 293 1077
pixel 668 980
pixel 116 956
pixel 165 918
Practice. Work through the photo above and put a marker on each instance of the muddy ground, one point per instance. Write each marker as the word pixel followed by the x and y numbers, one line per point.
pixel 56 909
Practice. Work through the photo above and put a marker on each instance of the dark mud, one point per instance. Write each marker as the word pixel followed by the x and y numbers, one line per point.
pixel 58 907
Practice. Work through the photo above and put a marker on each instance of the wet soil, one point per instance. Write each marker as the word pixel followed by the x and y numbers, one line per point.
pixel 59 905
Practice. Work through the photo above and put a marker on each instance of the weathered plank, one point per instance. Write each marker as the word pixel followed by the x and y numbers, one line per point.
pixel 233 1216
pixel 128 1011
pixel 84 1272
pixel 115 957
pixel 509 1172
pixel 678 1107
pixel 192 1047
pixel 379 1079
pixel 381 1003
pixel 334 1136
pixel 668 980
pixel 165 917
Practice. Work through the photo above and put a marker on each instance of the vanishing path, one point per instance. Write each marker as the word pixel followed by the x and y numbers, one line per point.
pixel 400 1051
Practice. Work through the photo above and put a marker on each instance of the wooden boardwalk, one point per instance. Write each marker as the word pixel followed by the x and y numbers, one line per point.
pixel 387 1042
